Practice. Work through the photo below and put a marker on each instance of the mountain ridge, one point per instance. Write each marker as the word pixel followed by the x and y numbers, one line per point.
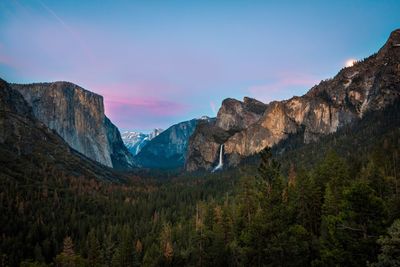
pixel 370 84
pixel 135 141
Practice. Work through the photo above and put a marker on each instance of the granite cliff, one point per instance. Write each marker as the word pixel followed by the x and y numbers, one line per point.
pixel 245 128
pixel 28 148
pixel 77 115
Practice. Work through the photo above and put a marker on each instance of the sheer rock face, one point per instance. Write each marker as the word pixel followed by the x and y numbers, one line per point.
pixel 28 146
pixel 245 128
pixel 204 145
pixel 77 115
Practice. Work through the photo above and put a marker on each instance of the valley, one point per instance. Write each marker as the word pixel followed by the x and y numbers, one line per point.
pixel 312 180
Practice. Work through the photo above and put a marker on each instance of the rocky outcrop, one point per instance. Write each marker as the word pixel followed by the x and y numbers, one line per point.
pixel 77 115
pixel 28 148
pixel 168 149
pixel 235 115
pixel 247 127
pixel 204 145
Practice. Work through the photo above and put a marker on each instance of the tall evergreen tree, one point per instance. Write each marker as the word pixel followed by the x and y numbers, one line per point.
pixel 390 247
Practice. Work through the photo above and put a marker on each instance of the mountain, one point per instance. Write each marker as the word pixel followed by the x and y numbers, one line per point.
pixel 77 115
pixel 28 148
pixel 245 128
pixel 135 141
pixel 168 149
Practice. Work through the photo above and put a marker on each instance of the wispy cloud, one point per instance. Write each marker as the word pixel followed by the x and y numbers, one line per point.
pixel 149 105
pixel 143 113
pixel 213 108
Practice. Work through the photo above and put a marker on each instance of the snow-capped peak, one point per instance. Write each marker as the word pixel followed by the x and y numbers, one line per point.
pixel 135 141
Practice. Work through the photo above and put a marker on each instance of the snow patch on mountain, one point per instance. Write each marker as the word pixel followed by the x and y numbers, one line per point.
pixel 135 141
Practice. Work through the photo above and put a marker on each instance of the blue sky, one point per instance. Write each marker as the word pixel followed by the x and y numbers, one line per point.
pixel 160 62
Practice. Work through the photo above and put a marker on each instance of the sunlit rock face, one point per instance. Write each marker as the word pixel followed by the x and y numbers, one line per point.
pixel 27 145
pixel 233 117
pixel 236 115
pixel 245 128
pixel 77 115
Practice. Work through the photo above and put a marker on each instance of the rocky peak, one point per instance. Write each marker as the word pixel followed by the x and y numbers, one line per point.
pixel 369 84
pixel 235 115
pixel 253 105
pixel 155 133
pixel 77 115
pixel 391 49
pixel 135 141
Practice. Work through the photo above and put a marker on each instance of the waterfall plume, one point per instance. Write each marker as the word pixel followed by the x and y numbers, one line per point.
pixel 220 162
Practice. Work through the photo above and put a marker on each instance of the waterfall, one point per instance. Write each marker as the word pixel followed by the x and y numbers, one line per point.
pixel 220 162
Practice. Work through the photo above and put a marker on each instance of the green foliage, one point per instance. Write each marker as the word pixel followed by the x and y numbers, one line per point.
pixel 390 247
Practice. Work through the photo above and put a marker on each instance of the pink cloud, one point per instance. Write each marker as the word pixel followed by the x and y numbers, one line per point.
pixel 5 60
pixel 137 89
pixel 11 62
pixel 150 105
pixel 142 113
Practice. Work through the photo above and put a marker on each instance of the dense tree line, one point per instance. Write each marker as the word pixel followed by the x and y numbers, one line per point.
pixel 104 224
pixel 338 213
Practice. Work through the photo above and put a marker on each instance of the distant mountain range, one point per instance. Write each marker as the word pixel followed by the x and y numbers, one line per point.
pixel 135 141
pixel 168 149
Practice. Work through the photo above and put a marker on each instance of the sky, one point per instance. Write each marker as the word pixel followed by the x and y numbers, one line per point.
pixel 157 63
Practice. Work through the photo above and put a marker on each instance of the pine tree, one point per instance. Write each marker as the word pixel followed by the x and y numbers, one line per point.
pixel 166 243
pixel 152 256
pixel 68 258
pixel 94 249
pixel 390 247
pixel 68 247
pixel 268 170
pixel 354 230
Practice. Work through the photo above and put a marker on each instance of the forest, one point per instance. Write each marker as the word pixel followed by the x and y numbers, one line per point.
pixel 332 203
